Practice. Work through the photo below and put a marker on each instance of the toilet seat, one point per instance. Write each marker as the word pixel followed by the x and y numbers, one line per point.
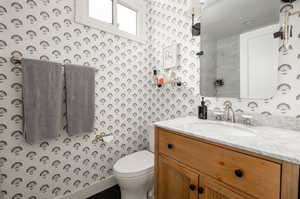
pixel 136 164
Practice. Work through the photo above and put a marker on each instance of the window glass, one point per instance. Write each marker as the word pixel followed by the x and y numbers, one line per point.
pixel 101 10
pixel 127 19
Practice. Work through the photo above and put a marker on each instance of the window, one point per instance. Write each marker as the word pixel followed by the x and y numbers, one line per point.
pixel 101 10
pixel 127 19
pixel 122 17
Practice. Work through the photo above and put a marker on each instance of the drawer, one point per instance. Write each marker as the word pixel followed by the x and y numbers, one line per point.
pixel 257 177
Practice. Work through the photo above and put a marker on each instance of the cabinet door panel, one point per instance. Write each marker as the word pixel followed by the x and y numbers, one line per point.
pixel 175 181
pixel 213 189
pixel 211 194
pixel 259 177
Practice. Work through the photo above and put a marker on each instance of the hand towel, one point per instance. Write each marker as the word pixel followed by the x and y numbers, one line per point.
pixel 80 98
pixel 42 97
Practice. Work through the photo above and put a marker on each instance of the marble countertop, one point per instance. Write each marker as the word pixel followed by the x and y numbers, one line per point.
pixel 271 142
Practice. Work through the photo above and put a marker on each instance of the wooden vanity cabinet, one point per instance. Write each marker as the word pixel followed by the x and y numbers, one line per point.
pixel 175 181
pixel 178 182
pixel 213 189
pixel 191 168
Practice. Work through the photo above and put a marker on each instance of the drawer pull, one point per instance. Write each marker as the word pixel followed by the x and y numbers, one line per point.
pixel 170 146
pixel 239 173
pixel 192 187
pixel 201 190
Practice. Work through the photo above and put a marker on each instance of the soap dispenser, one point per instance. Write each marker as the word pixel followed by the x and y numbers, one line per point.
pixel 202 110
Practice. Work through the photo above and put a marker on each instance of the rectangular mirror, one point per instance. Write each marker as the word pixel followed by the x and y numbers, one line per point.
pixel 240 53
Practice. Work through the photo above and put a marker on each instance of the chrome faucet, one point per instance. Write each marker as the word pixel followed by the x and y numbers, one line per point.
pixel 228 108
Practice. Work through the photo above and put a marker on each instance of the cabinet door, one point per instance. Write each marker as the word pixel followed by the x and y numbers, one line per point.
pixel 210 188
pixel 175 181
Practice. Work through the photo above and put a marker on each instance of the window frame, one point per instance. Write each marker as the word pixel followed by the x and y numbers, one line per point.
pixel 82 17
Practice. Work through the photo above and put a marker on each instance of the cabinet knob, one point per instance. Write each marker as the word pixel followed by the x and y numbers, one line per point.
pixel 192 187
pixel 170 146
pixel 201 190
pixel 239 173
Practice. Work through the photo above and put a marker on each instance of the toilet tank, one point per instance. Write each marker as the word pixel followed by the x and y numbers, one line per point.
pixel 151 131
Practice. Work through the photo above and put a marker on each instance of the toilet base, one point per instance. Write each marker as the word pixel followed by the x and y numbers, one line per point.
pixel 130 195
pixel 136 187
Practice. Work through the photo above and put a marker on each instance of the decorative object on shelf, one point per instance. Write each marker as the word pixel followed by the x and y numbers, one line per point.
pixel 167 75
pixel 170 59
pixel 161 81
pixel 155 77
pixel 173 83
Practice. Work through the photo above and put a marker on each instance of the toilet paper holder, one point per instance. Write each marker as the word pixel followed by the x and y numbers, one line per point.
pixel 99 138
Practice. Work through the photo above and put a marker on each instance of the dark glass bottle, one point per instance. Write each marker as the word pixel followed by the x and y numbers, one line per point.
pixel 202 110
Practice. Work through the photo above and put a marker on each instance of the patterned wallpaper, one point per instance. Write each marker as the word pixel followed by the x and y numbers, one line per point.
pixel 126 102
pixel 44 29
pixel 286 102
pixel 169 25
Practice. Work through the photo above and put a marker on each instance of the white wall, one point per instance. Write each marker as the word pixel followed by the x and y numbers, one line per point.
pixel 259 63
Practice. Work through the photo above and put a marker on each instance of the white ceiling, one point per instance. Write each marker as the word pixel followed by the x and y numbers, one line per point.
pixel 223 18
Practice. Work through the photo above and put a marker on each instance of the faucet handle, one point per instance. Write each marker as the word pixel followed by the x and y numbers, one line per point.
pixel 227 106
pixel 219 115
pixel 247 119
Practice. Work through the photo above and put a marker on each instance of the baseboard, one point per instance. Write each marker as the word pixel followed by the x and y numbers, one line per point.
pixel 91 190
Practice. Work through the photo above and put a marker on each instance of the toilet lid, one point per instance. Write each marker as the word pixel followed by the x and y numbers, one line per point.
pixel 135 164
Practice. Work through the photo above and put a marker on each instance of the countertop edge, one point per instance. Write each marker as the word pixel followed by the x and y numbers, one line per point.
pixel 241 147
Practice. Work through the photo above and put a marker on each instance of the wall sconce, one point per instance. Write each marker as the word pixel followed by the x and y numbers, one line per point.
pixel 286 29
pixel 195 11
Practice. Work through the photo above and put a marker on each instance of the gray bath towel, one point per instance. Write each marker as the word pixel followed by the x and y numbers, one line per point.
pixel 42 99
pixel 80 95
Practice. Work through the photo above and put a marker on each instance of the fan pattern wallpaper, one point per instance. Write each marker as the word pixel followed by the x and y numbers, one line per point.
pixel 46 30
pixel 126 101
pixel 169 25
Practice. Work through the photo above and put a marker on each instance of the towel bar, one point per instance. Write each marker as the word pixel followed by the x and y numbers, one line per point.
pixel 15 60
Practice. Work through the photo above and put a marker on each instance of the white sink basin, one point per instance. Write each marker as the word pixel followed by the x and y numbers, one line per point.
pixel 230 129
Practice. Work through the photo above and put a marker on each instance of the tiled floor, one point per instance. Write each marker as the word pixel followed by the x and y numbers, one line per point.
pixel 111 193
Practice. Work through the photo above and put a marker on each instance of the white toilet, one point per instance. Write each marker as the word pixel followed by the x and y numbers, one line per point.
pixel 135 173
